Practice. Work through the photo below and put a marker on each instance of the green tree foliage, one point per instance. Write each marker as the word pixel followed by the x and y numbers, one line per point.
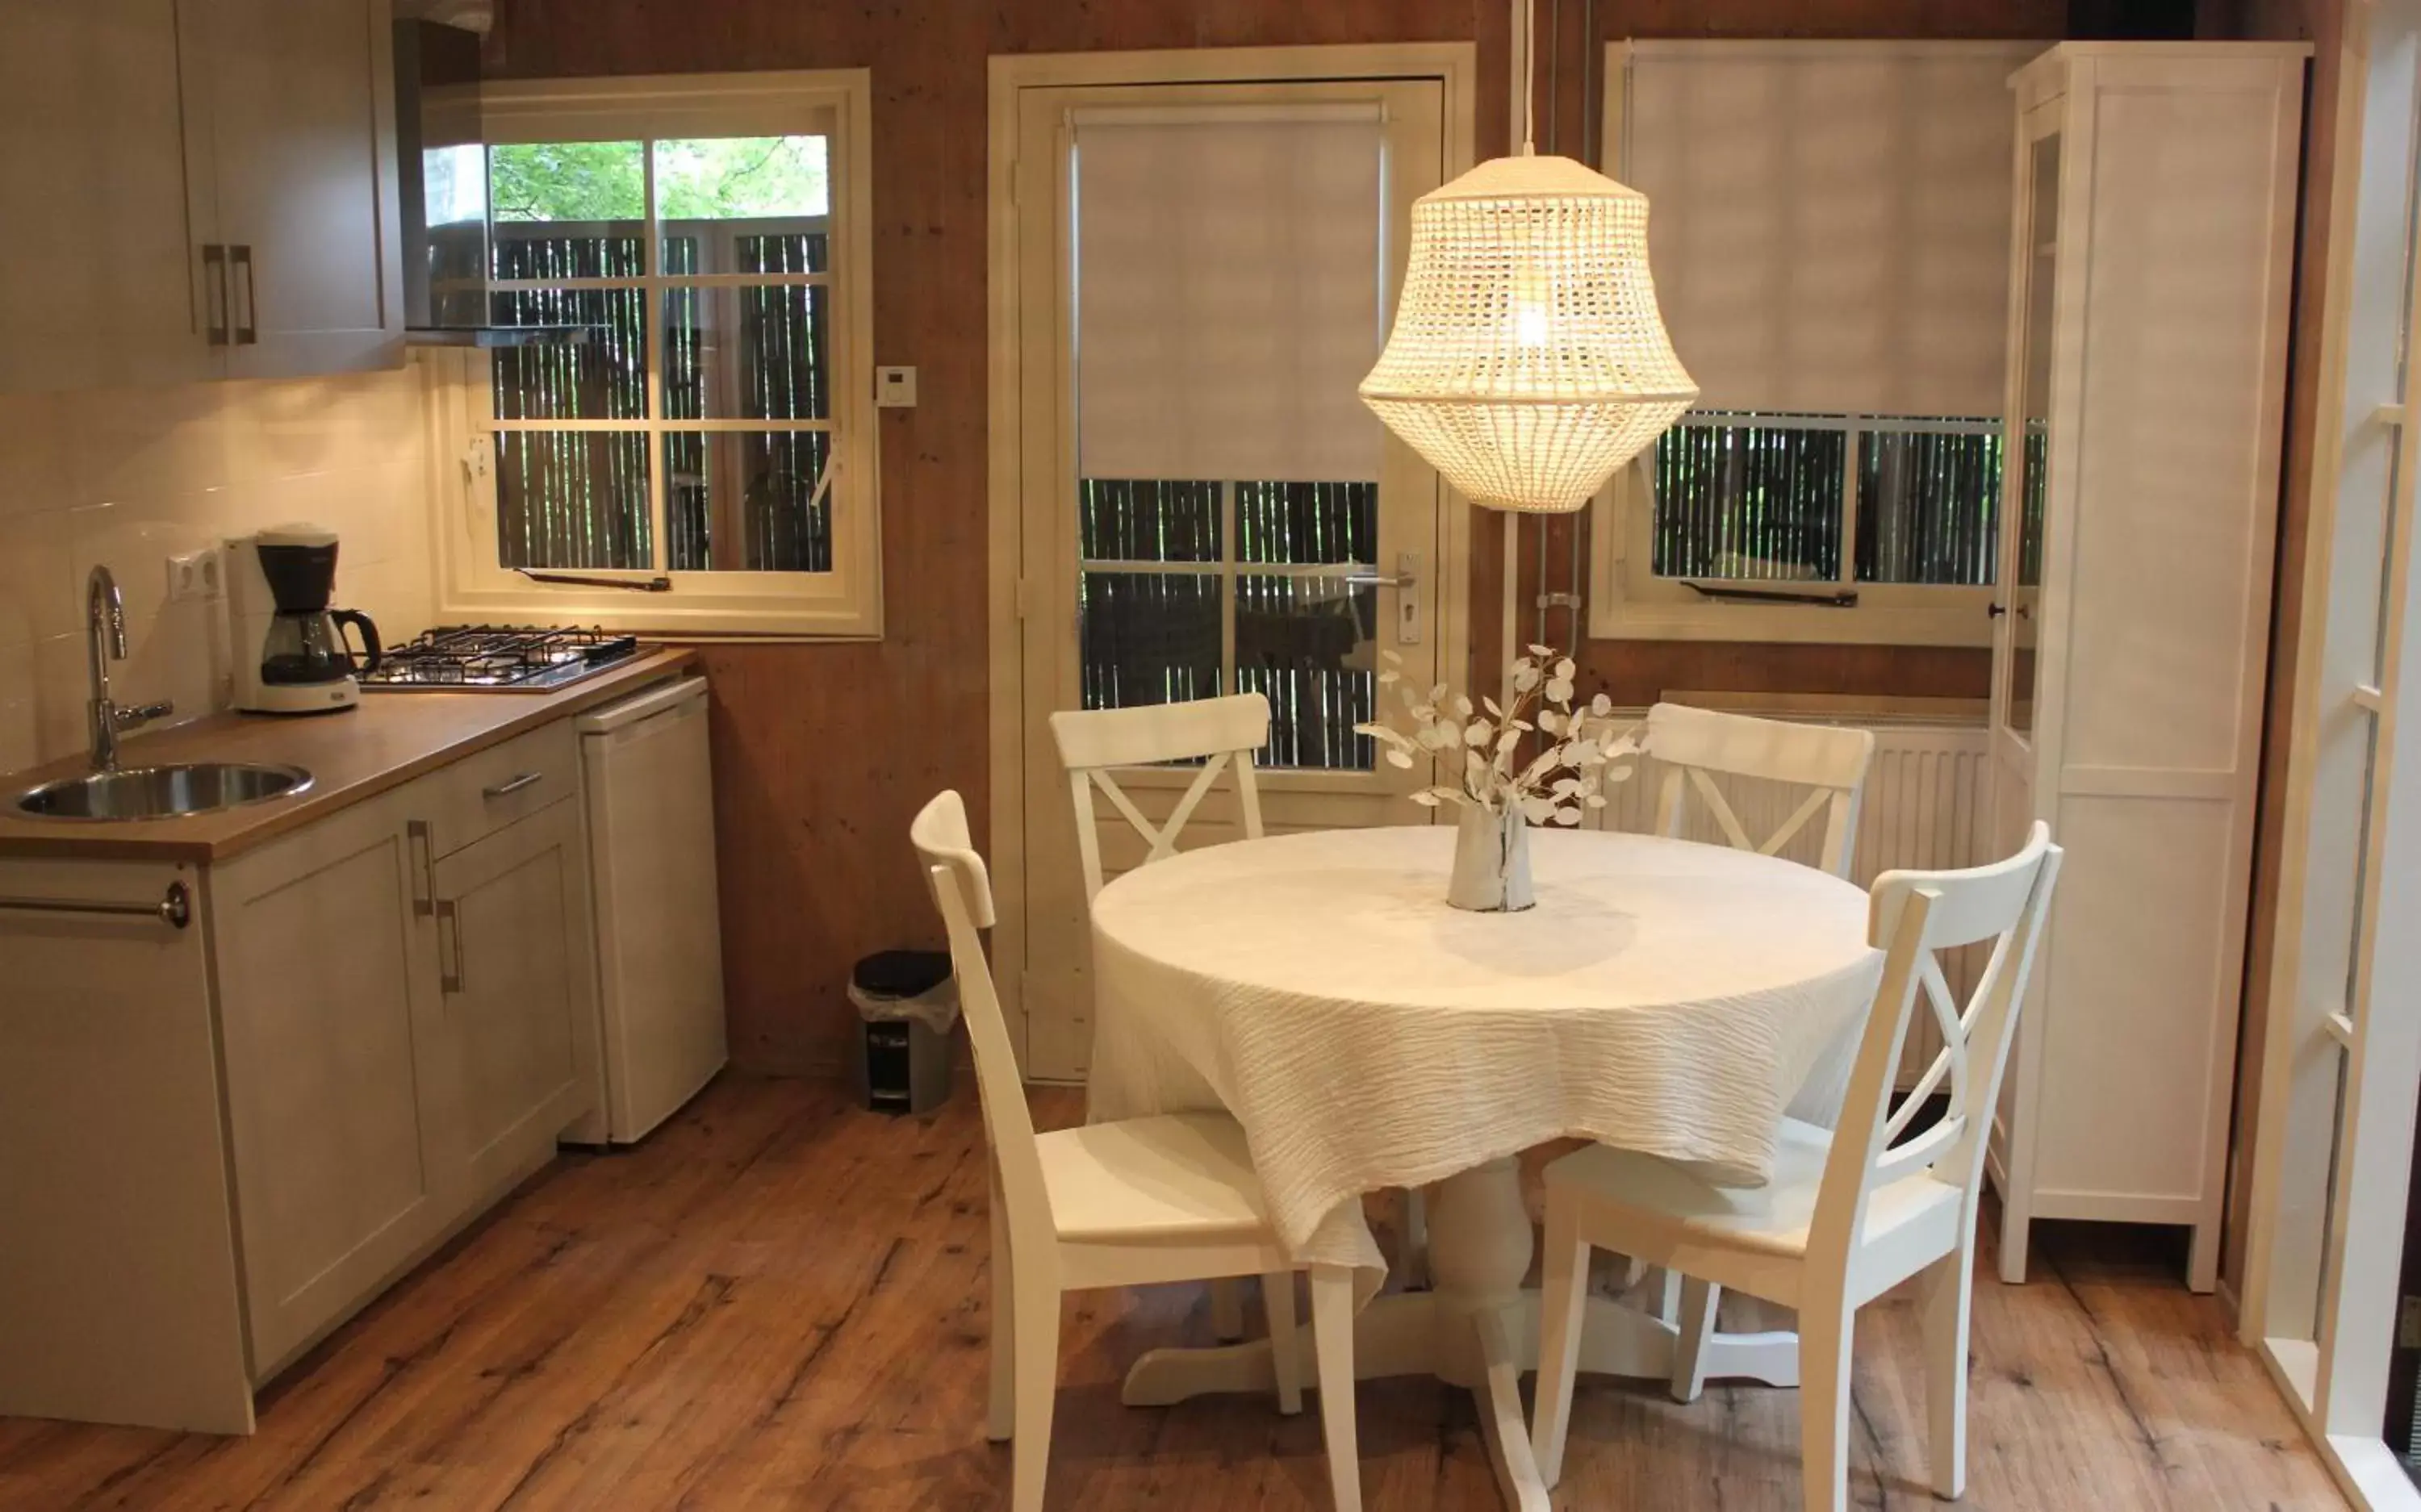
pixel 708 178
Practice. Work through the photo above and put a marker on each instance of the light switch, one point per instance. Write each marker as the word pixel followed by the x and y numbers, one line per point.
pixel 895 388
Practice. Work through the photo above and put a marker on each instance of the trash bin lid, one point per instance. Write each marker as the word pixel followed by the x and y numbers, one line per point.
pixel 900 973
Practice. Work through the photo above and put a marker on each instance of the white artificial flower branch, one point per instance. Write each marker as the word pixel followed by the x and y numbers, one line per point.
pixel 1582 751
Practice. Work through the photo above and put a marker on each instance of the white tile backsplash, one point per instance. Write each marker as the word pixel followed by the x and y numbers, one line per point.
pixel 133 476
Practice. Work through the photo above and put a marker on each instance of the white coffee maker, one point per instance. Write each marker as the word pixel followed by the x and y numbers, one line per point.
pixel 290 652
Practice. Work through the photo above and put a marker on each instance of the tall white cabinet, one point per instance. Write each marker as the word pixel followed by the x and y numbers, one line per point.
pixel 2148 361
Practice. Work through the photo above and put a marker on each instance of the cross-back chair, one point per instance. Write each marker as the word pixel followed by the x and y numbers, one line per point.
pixel 1138 1202
pixel 1696 744
pixel 1849 1214
pixel 1221 732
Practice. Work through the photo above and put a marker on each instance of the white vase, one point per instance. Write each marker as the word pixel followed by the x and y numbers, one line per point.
pixel 1491 862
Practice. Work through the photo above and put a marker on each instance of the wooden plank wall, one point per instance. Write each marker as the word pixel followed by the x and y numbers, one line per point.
pixel 822 752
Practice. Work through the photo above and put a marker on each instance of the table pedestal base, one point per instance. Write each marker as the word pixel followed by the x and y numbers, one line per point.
pixel 1477 1330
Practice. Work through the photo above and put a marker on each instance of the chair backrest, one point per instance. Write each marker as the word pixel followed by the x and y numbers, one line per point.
pixel 1219 732
pixel 1913 916
pixel 962 891
pixel 1829 760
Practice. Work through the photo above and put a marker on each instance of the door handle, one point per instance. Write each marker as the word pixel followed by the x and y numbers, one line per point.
pixel 214 292
pixel 450 922
pixel 247 330
pixel 1406 581
pixel 1380 579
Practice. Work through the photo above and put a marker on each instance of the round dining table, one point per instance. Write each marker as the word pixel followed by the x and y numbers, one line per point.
pixel 1662 995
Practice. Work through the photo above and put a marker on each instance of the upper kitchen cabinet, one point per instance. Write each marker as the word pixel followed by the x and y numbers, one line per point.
pixel 289 111
pixel 100 280
pixel 196 189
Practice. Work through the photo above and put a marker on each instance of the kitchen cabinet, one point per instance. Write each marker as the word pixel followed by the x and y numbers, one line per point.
pixel 196 189
pixel 2153 256
pixel 334 1039
pixel 220 1139
pixel 119 1295
pixel 518 975
pixel 100 281
pixel 291 170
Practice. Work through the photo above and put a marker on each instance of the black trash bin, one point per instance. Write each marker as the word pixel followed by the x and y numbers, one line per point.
pixel 907 1005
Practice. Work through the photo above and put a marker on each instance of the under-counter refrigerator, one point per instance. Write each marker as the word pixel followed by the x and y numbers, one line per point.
pixel 651 796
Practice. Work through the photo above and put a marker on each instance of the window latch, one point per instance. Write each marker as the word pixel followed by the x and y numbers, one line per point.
pixel 659 584
pixel 1846 599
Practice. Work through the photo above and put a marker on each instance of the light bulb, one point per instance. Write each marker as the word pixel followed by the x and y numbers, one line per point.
pixel 1533 305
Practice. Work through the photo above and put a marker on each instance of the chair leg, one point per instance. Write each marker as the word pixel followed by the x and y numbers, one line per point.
pixel 1332 1338
pixel 1003 1324
pixel 1277 1302
pixel 1563 1293
pixel 1697 1325
pixel 1227 1309
pixel 1037 1386
pixel 1825 1339
pixel 1416 1237
pixel 1668 1296
pixel 1946 1296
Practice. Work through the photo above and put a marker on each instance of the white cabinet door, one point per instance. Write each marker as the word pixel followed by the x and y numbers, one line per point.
pixel 119 1298
pixel 292 156
pixel 102 279
pixel 519 977
pixel 329 1007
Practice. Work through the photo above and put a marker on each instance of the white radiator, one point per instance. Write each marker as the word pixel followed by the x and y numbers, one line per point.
pixel 1924 806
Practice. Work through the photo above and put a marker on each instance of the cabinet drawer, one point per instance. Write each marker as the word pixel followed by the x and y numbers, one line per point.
pixel 481 794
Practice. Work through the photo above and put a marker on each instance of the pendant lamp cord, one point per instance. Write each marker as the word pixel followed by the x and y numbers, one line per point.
pixel 1527 68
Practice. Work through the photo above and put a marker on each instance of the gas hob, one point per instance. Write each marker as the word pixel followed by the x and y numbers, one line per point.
pixel 497 659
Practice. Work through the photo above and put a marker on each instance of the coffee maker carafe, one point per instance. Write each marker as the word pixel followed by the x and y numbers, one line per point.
pixel 290 652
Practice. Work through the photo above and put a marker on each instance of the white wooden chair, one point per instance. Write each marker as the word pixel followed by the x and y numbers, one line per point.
pixel 1222 734
pixel 1829 760
pixel 1849 1214
pixel 1135 1203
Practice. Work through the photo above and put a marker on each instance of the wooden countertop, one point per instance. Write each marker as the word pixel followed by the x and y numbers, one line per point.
pixel 385 741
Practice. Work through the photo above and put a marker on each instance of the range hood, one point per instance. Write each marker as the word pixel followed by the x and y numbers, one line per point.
pixel 441 148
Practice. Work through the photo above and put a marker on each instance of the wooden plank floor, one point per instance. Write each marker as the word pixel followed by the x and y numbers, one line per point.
pixel 779 1302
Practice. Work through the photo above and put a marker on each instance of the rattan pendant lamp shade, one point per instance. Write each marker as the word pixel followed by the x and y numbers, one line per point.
pixel 1528 360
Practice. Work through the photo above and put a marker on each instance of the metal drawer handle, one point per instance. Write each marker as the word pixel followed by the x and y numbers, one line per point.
pixel 449 979
pixel 512 785
pixel 424 892
pixel 175 909
pixel 215 298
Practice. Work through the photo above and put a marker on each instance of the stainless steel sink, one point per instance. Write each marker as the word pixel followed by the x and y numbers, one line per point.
pixel 162 792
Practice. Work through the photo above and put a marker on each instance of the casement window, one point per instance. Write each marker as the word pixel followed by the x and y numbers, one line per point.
pixel 1829 225
pixel 705 461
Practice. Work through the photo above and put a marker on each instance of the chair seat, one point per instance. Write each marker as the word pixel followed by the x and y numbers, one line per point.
pixel 1770 1220
pixel 1175 1176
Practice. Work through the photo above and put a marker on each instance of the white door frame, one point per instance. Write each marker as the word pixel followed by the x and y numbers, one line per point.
pixel 2320 1303
pixel 1454 65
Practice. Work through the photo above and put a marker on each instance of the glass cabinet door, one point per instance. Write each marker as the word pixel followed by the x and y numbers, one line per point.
pixel 2016 669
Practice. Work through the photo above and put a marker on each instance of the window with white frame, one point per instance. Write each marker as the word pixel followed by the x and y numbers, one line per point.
pixel 704 461
pixel 1829 226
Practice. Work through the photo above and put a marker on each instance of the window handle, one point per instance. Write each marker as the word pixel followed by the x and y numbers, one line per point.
pixel 658 583
pixel 1846 599
pixel 1995 610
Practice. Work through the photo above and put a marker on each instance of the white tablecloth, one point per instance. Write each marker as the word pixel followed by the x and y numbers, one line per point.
pixel 1663 996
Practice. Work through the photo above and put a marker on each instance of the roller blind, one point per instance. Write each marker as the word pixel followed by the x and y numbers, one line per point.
pixel 1227 292
pixel 1828 221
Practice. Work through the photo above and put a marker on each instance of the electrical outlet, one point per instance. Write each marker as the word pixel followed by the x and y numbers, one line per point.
pixel 194 575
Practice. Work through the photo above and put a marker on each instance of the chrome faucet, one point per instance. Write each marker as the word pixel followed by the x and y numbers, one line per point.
pixel 104 612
